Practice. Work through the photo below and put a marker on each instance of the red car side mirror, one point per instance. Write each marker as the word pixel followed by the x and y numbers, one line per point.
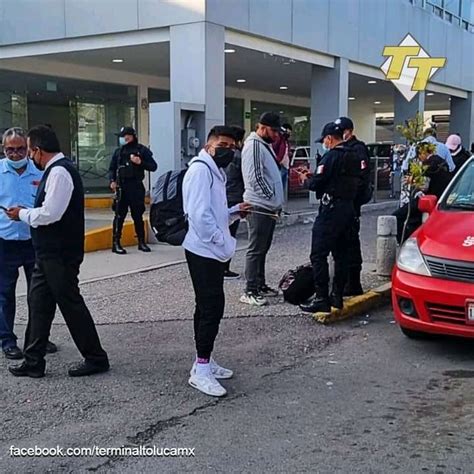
pixel 427 204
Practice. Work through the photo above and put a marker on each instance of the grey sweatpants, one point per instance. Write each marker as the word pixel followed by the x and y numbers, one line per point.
pixel 261 229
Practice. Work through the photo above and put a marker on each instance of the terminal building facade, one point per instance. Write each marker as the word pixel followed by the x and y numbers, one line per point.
pixel 174 68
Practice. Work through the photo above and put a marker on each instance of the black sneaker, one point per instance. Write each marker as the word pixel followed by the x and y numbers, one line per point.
pixel 265 290
pixel 13 353
pixel 230 275
pixel 337 301
pixel 317 304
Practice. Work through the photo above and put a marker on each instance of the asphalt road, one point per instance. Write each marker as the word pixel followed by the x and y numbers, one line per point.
pixel 353 397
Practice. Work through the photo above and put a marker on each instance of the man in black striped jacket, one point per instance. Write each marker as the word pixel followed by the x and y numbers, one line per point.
pixel 264 191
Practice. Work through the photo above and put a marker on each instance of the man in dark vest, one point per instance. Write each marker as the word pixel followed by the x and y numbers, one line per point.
pixel 57 230
pixel 126 172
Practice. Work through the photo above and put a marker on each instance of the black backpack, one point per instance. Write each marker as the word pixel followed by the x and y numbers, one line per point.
pixel 167 218
pixel 298 285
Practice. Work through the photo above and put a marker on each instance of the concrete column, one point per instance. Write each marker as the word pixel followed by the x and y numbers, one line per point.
pixel 197 68
pixel 363 117
pixel 404 110
pixel 329 96
pixel 462 119
pixel 143 115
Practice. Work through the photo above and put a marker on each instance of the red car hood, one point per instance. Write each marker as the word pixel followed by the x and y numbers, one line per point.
pixel 448 235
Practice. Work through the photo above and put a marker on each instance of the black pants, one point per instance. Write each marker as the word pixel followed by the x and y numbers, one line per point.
pixel 54 282
pixel 132 196
pixel 354 252
pixel 330 235
pixel 233 232
pixel 414 221
pixel 207 276
pixel 261 229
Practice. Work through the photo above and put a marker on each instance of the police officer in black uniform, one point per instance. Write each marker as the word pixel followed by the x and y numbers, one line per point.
pixel 336 182
pixel 126 172
pixel 364 195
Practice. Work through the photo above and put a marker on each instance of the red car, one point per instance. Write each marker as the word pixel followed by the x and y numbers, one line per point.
pixel 433 281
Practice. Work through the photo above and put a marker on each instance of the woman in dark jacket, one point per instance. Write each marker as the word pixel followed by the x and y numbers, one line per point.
pixel 438 178
pixel 235 189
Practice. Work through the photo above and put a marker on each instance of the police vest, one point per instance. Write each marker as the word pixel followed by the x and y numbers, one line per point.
pixel 347 175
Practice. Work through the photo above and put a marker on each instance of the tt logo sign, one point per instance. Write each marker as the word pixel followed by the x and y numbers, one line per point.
pixel 410 67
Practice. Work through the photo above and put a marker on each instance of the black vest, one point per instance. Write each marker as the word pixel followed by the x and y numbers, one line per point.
pixel 63 239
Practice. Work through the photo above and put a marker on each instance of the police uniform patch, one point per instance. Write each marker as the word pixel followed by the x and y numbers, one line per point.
pixel 320 169
pixel 363 165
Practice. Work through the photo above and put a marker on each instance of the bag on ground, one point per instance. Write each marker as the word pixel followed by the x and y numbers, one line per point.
pixel 297 285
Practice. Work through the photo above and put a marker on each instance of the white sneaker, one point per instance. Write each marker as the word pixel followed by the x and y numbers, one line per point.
pixel 253 299
pixel 220 373
pixel 207 384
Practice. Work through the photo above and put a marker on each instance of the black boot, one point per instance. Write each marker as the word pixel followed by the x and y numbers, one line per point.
pixel 143 246
pixel 317 304
pixel 353 286
pixel 117 247
pixel 336 300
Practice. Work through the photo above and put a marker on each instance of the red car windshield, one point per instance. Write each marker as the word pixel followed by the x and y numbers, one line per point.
pixel 461 192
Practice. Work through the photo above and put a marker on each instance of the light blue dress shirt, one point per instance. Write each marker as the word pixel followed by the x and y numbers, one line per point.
pixel 443 151
pixel 17 190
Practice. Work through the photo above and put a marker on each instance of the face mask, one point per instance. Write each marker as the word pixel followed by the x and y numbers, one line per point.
pixel 16 165
pixel 38 166
pixel 267 139
pixel 122 141
pixel 223 157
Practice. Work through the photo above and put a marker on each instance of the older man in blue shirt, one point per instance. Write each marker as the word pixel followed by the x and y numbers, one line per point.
pixel 441 149
pixel 19 179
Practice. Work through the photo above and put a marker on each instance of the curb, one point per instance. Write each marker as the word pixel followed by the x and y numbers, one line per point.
pixel 356 305
pixel 101 238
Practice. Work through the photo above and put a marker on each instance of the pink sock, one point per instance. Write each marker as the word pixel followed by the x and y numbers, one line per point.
pixel 202 360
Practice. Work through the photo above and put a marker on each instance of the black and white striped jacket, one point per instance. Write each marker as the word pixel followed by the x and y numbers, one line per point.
pixel 262 178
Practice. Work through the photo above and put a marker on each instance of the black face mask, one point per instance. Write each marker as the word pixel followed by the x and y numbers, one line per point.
pixel 223 156
pixel 267 139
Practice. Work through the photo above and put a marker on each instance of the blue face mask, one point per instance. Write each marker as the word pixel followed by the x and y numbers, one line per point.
pixel 16 165
pixel 122 141
pixel 325 148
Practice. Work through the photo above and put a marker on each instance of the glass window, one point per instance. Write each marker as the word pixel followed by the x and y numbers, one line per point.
pixel 158 95
pixel 467 10
pixel 234 112
pixel 85 115
pixel 452 6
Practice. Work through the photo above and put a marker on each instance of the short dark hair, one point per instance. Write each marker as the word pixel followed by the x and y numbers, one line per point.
pixel 429 132
pixel 44 138
pixel 221 131
pixel 239 132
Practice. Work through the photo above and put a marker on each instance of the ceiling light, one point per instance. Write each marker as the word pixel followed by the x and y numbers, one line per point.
pixel 241 80
pixel 287 63
pixel 117 60
pixel 229 50
pixel 254 108
pixel 430 93
pixel 449 99
pixel 371 82
pixel 283 88
pixel 352 98
pixel 377 102
pixel 281 112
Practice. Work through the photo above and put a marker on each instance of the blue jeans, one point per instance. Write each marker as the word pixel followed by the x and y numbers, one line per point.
pixel 284 179
pixel 13 255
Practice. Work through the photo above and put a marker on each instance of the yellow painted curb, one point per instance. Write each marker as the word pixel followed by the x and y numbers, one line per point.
pixel 356 305
pixel 98 202
pixel 101 238
pixel 103 202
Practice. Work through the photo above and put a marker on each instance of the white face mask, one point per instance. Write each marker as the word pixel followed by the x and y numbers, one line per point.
pixel 325 148
pixel 122 141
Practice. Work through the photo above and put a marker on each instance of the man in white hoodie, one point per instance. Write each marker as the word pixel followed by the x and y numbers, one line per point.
pixel 208 246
